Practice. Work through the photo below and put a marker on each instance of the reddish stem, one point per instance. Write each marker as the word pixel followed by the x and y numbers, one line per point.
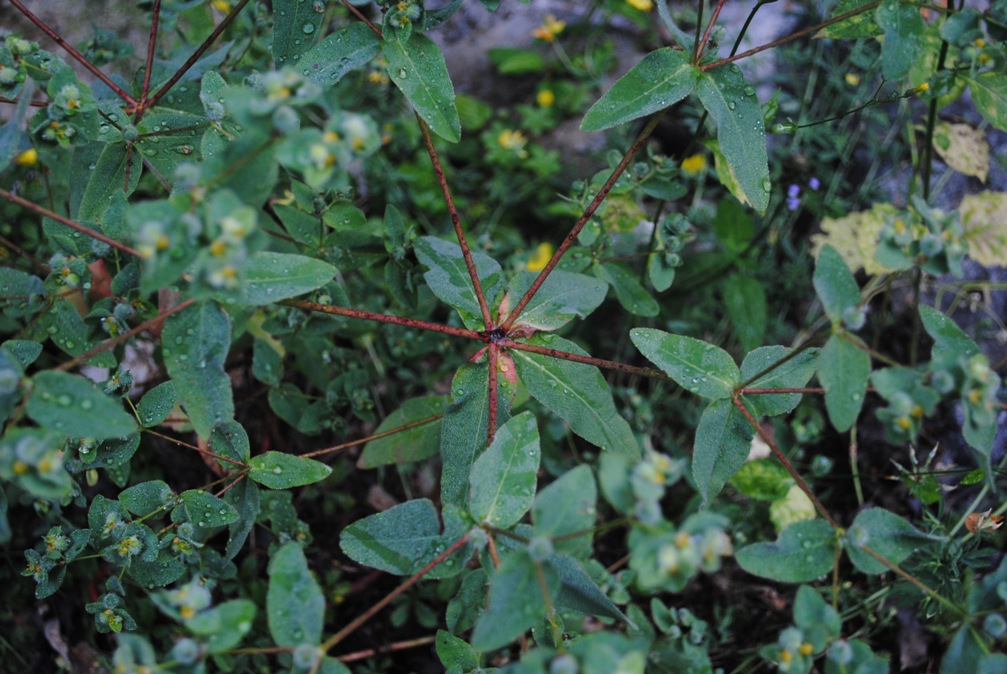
pixel 385 318
pixel 588 213
pixel 709 29
pixel 67 221
pixel 376 436
pixel 363 18
pixel 151 43
pixel 456 223
pixel 220 28
pixel 397 646
pixel 494 354
pixel 786 463
pixel 369 613
pixel 793 36
pixel 109 343
pixel 14 101
pixel 587 360
pixel 77 56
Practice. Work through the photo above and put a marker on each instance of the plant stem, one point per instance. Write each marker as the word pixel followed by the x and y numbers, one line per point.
pixel 67 221
pixel 494 356
pixel 587 360
pixel 456 222
pixel 369 613
pixel 584 218
pixel 701 46
pixel 390 648
pixel 916 582
pixel 151 44
pixel 376 436
pixel 385 318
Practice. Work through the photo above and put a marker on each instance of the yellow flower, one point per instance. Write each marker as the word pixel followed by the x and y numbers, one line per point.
pixel 550 28
pixel 221 6
pixel 27 158
pixel 538 261
pixel 806 649
pixel 923 87
pixel 642 5
pixel 545 98
pixel 694 164
pixel 852 79
pixel 513 140
pixel 377 77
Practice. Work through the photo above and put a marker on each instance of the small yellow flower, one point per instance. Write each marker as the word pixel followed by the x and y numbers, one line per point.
pixel 221 6
pixel 218 248
pixel 513 140
pixel 377 77
pixel 923 87
pixel 642 5
pixel 20 467
pixel 187 612
pixel 786 656
pixel 538 261
pixel 545 98
pixel 806 649
pixel 550 28
pixel 27 158
pixel 852 79
pixel 694 164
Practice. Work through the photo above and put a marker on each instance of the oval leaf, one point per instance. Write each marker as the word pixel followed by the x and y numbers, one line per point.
pixel 885 533
pixel 417 67
pixel 843 370
pixel 206 510
pixel 328 61
pixel 699 367
pixel 792 372
pixel 413 444
pixel 803 552
pixel 835 284
pixel 295 605
pixel 269 277
pixel 503 478
pixel 278 470
pixel 74 405
pixel 723 440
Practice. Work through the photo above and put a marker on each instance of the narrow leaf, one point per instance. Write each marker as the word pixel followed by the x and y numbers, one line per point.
pixel 723 439
pixel 516 600
pixel 566 506
pixel 449 279
pixel 295 605
pixel 417 68
pixel 579 592
pixel 701 368
pixel 503 478
pixel 803 552
pixel 269 277
pixel 731 102
pixel 74 405
pixel 347 49
pixel 279 470
pixel 843 369
pixel 835 284
pixel 562 297
pixel 414 444
pixel 195 344
pixel 661 79
pixel 575 392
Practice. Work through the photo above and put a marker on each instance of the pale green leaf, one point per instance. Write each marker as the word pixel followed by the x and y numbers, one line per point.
pixel 989 93
pixel 413 444
pixel 516 600
pixel 206 510
pixel 792 372
pixel 723 439
pixel 699 367
pixel 337 54
pixel 562 297
pixel 417 68
pixel 503 478
pixel 269 277
pixel 74 405
pixel 803 552
pixel 295 605
pixel 631 294
pixel 279 470
pixel 566 506
pixel 449 279
pixel 843 369
pixel 885 533
pixel 295 24
pixel 903 41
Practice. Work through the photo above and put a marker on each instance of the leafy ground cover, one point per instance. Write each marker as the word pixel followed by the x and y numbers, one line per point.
pixel 313 363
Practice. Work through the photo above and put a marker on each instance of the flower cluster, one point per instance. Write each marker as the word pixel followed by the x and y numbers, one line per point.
pixel 550 28
pixel 794 193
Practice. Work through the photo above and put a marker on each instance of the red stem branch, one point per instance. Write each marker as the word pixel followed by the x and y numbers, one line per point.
pixel 584 218
pixel 376 436
pixel 220 28
pixel 77 56
pixel 361 16
pixel 494 356
pixel 587 360
pixel 67 221
pixel 397 646
pixel 456 223
pixel 151 44
pixel 385 318
pixel 709 29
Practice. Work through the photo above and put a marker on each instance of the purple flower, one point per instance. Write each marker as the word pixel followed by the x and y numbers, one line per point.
pixel 793 200
pixel 814 184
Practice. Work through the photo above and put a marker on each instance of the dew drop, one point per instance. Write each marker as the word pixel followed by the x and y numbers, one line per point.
pixel 732 105
pixel 308 28
pixel 86 404
pixel 277 470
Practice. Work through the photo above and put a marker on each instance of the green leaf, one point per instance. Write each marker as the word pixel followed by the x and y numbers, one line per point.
pixel 745 301
pixel 194 344
pixel 347 49
pixel 245 499
pixel 660 80
pixel 763 479
pixel 148 497
pixel 723 440
pixel 269 277
pixel 516 600
pixel 904 40
pixel 454 653
pixel 414 444
pixel 401 540
pixel 741 134
pixel 417 68
pixel 562 297
pixel 803 552
pixel 631 294
pixel 224 625
pixel 794 372
pixel 206 510
pixel 464 428
pixel 575 392
pixel 503 478
pixel 950 342
pixel 835 284
pixel 295 605
pixel 11 133
pixel 75 406
pixel 577 591
pixel 279 470
pixel 843 369
pixel 699 367
pixel 449 279
pixel 885 533
pixel 24 351
pixel 107 178
pixel 72 333
pixel 859 26
pixel 229 440
pixel 156 404
pixel 512 61
pixel 568 505
pixel 989 93
pixel 819 621
pixel 294 25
